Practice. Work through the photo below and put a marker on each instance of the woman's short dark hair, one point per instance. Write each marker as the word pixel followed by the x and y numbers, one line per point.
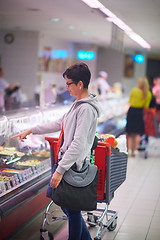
pixel 78 72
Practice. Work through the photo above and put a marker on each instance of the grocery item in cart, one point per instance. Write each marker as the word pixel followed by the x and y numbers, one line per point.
pixel 109 138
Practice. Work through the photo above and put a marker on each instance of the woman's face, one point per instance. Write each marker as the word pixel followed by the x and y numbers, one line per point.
pixel 72 87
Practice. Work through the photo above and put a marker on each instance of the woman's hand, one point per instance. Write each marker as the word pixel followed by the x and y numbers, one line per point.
pixel 22 135
pixel 55 180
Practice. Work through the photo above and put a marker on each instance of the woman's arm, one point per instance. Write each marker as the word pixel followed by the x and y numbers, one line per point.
pixel 23 135
pixel 40 129
pixel 55 180
pixel 51 127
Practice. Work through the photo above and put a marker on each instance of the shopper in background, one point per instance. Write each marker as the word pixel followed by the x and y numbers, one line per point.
pixel 79 126
pixel 102 84
pixel 139 98
pixel 6 90
pixel 156 92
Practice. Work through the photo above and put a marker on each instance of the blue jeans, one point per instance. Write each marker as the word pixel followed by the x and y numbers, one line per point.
pixel 77 226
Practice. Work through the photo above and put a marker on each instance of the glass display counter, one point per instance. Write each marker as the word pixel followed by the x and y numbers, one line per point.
pixel 25 167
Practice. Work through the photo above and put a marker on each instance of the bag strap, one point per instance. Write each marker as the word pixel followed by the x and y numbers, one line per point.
pixel 59 144
pixel 81 178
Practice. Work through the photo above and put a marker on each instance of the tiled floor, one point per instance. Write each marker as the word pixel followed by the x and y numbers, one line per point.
pixel 137 201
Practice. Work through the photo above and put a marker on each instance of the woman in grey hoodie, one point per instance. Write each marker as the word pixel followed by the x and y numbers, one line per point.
pixel 79 126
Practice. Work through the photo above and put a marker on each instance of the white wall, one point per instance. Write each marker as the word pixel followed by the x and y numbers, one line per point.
pixel 112 61
pixel 139 71
pixel 47 40
pixel 19 59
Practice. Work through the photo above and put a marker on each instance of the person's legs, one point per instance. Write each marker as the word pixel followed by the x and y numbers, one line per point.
pixel 85 231
pixel 129 143
pixel 136 141
pixel 77 226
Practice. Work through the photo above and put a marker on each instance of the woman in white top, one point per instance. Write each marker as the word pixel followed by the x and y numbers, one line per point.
pixel 102 84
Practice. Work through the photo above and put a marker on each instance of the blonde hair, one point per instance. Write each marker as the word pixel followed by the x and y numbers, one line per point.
pixel 144 86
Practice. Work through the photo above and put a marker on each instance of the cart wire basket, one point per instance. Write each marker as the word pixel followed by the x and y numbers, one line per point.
pixel 151 118
pixel 112 169
pixel 143 145
pixel 152 122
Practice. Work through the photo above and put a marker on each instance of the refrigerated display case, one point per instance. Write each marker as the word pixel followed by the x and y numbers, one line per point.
pixel 113 116
pixel 24 167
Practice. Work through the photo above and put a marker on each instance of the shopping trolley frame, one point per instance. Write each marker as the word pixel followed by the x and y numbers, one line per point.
pixel 112 168
pixel 152 122
pixel 151 118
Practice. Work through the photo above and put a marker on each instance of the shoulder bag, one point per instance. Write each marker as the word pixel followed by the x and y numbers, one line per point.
pixel 77 189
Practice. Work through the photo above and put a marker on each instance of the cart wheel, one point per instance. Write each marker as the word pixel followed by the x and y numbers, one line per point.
pixel 92 220
pixel 145 155
pixel 113 225
pixel 45 235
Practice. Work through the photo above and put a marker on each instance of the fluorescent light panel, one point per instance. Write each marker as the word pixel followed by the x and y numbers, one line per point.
pixel 119 23
pixel 111 17
pixel 134 36
pixel 108 12
pixel 93 3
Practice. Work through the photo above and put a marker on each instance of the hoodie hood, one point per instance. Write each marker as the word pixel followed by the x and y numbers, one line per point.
pixel 92 100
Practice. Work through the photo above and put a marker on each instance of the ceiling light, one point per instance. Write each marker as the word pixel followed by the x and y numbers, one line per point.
pixel 107 12
pixel 111 17
pixel 55 19
pixel 93 3
pixel 138 39
pixel 71 27
pixel 119 23
pixel 85 33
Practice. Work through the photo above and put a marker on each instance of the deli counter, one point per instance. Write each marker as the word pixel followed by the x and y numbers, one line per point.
pixel 25 167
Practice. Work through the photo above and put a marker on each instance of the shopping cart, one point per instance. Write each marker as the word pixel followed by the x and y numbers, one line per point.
pixel 143 145
pixel 151 118
pixel 152 122
pixel 112 168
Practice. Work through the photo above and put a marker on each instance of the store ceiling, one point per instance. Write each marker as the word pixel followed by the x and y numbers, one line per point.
pixel 143 16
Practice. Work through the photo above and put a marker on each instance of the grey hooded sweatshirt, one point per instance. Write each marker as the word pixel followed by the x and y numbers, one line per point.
pixel 79 125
